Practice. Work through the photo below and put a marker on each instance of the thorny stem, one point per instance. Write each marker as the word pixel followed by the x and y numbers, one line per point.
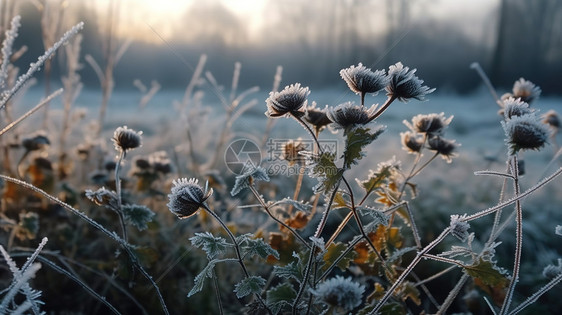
pixel 266 208
pixel 112 235
pixel 379 112
pixel 409 269
pixel 236 249
pixel 119 209
pixel 518 236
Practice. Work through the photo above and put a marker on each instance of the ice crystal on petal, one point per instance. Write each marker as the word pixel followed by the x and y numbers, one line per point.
pixel 405 85
pixel 290 100
pixel 363 80
pixel 340 292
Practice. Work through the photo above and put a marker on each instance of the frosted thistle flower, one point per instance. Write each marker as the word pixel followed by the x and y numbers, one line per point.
pixel 187 197
pixel 411 142
pixel 514 107
pixel 404 85
pixel 348 115
pixel 446 148
pixel 290 100
pixel 340 292
pixel 459 228
pixel 432 124
pixel 525 132
pixel 362 80
pixel 316 116
pixel 527 91
pixel 552 119
pixel 35 142
pixel 291 151
pixel 125 139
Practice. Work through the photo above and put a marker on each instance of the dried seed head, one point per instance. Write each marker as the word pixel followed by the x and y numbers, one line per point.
pixel 36 141
pixel 525 132
pixel 432 124
pixel 411 142
pixel 459 227
pixel 404 85
pixel 291 151
pixel 363 80
pixel 514 107
pixel 552 119
pixel 187 197
pixel 527 91
pixel 445 148
pixel 290 100
pixel 126 139
pixel 347 115
pixel 316 117
pixel 340 292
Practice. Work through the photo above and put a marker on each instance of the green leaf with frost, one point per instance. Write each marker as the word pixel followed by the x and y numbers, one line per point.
pixel 356 140
pixel 199 280
pixel 293 270
pixel 323 167
pixel 250 285
pixel 333 252
pixel 304 207
pixel 375 217
pixel 256 246
pixel 281 296
pixel 211 244
pixel 138 215
pixel 487 272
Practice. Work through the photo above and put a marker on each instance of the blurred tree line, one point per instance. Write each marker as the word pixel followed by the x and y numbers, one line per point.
pixel 314 39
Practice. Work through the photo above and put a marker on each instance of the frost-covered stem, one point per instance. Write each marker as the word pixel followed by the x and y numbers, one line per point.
pixel 533 298
pixel 379 112
pixel 217 292
pixel 118 192
pixel 435 276
pixel 312 134
pixel 453 294
pixel 266 208
pixel 297 188
pixel 416 161
pixel 476 66
pixel 409 269
pixel 362 98
pixel 98 226
pixel 304 281
pixel 444 259
pixel 31 111
pixel 425 164
pixel 518 237
pixel 498 215
pixel 270 122
pixel 508 202
pixel 7 47
pixel 236 249
pixel 5 97
pixel 349 248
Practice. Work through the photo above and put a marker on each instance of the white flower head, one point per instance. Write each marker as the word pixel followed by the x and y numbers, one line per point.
pixel 125 139
pixel 348 115
pixel 340 292
pixel 405 85
pixel 526 90
pixel 290 100
pixel 363 80
pixel 514 107
pixel 411 142
pixel 446 148
pixel 525 132
pixel 552 119
pixel 431 124
pixel 187 197
pixel 459 227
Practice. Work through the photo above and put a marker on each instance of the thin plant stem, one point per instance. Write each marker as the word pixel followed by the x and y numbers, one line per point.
pixel 349 248
pixel 435 276
pixel 453 294
pixel 425 164
pixel 409 269
pixel 533 298
pixel 237 250
pixel 266 208
pixel 217 292
pixel 518 237
pixel 98 226
pixel 119 209
pixel 304 280
pixel 497 216
pixel 312 134
pixel 297 188
pixel 379 112
pixel 476 66
pixel 362 98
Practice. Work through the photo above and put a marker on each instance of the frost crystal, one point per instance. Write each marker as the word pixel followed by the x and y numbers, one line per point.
pixel 404 85
pixel 363 80
pixel 340 292
pixel 187 197
pixel 7 47
pixel 290 100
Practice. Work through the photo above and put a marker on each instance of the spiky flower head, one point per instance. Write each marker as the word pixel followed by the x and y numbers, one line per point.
pixel 445 148
pixel 514 107
pixel 459 227
pixel 525 133
pixel 340 292
pixel 431 124
pixel 290 100
pixel 187 197
pixel 526 90
pixel 348 115
pixel 411 142
pixel 125 139
pixel 362 80
pixel 316 116
pixel 404 84
pixel 552 119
